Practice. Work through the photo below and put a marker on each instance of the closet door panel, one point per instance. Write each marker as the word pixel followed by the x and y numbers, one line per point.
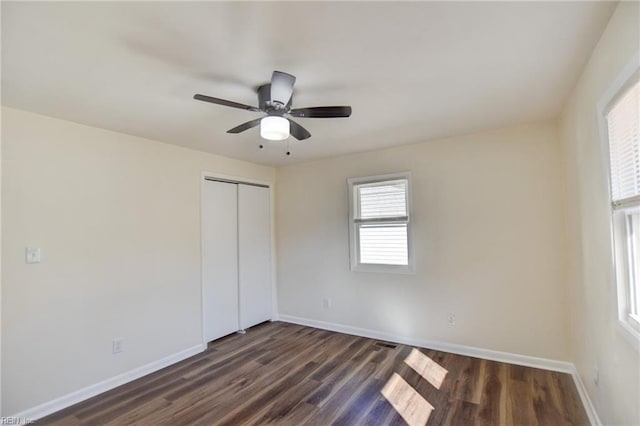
pixel 254 237
pixel 220 259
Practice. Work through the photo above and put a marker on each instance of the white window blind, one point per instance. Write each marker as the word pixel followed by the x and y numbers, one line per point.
pixel 383 200
pixel 384 244
pixel 623 122
pixel 381 219
pixel 623 130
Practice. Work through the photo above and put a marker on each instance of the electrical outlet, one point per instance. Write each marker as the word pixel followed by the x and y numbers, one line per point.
pixel 451 319
pixel 32 255
pixel 326 303
pixel 117 345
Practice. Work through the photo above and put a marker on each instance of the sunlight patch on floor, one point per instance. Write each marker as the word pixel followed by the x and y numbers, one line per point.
pixel 413 408
pixel 430 370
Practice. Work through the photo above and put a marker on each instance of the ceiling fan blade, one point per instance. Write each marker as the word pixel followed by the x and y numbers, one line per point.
pixel 224 102
pixel 322 112
pixel 245 126
pixel 282 87
pixel 297 131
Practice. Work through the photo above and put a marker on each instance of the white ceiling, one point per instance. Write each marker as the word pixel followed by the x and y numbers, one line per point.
pixel 411 71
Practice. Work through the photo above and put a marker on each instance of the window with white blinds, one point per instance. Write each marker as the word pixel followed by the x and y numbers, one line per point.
pixel 623 131
pixel 384 244
pixel 382 199
pixel 379 223
pixel 623 122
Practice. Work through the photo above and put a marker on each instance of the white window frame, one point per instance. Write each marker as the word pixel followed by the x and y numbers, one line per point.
pixel 628 321
pixel 354 244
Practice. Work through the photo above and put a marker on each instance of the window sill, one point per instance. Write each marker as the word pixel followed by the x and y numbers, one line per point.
pixel 629 333
pixel 385 269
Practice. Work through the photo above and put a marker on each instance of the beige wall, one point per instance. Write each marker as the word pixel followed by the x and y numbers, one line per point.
pixel 118 221
pixel 489 243
pixel 597 338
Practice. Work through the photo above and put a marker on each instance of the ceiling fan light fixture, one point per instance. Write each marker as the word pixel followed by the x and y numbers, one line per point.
pixel 274 128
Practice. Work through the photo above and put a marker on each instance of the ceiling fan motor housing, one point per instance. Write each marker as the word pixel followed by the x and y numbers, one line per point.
pixel 266 104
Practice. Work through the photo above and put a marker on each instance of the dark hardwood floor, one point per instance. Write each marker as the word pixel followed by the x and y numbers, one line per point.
pixel 292 375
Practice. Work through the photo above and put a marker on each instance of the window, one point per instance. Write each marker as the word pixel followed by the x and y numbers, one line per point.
pixel 623 134
pixel 379 223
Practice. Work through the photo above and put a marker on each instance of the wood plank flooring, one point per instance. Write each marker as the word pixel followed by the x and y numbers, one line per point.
pixel 279 373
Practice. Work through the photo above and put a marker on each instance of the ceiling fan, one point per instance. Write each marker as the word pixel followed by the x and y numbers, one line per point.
pixel 274 99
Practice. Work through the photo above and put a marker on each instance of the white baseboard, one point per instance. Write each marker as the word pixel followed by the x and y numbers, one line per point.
pixel 586 401
pixel 68 400
pixel 510 358
pixel 525 360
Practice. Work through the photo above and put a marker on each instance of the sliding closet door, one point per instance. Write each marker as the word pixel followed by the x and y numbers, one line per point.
pixel 220 259
pixel 254 236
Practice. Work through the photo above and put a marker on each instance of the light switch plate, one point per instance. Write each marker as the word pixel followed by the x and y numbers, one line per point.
pixel 33 255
